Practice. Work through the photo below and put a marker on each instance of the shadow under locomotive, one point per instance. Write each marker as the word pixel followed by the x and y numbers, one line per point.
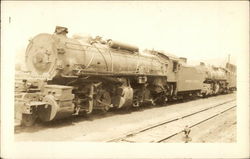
pixel 73 120
pixel 82 117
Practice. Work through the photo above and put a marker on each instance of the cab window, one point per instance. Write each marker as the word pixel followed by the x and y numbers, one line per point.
pixel 175 66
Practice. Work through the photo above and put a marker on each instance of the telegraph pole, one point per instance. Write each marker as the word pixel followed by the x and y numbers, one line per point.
pixel 228 58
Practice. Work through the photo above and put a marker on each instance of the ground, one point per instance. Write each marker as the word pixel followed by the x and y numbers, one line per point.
pixel 219 129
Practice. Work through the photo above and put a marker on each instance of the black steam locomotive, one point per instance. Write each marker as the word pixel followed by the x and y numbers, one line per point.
pixel 69 75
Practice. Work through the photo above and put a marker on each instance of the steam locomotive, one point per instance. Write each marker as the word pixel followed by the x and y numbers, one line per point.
pixel 69 75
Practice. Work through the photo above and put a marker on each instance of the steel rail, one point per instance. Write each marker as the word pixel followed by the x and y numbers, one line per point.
pixel 165 122
pixel 200 122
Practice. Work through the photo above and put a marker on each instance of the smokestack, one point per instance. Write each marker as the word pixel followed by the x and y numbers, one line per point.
pixel 202 63
pixel 61 30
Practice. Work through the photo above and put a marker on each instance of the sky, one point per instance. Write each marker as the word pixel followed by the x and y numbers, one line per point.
pixel 195 30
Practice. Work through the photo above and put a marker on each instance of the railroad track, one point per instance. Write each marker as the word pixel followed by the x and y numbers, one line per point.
pixel 164 130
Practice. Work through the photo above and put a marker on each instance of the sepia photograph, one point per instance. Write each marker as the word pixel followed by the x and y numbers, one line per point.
pixel 124 79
